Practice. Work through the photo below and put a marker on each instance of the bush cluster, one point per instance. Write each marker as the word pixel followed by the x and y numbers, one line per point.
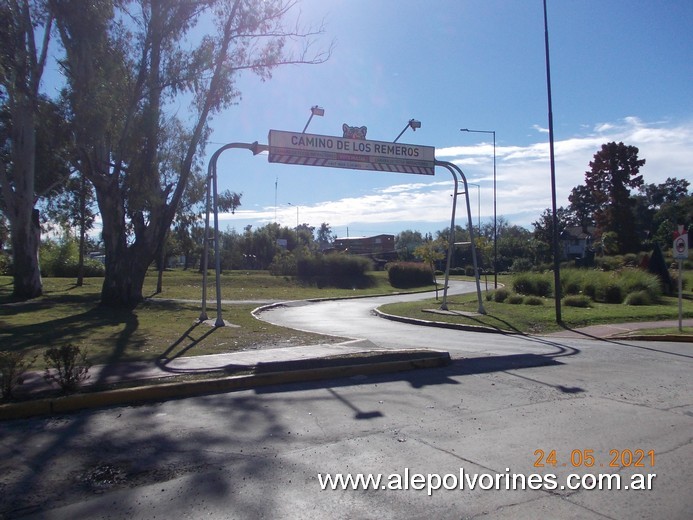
pixel 533 284
pixel 409 274
pixel 5 264
pixel 61 260
pixel 342 271
pixel 577 300
pixel 66 366
pixel 612 286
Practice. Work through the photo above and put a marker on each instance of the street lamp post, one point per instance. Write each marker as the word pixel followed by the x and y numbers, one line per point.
pixel 495 241
pixel 314 111
pixel 295 206
pixel 413 124
pixel 478 204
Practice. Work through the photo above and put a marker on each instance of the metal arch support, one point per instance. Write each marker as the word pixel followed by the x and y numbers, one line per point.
pixel 256 148
pixel 454 170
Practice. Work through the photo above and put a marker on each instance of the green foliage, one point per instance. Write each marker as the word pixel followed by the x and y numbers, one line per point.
pixel 500 295
pixel 657 266
pixel 67 366
pixel 521 265
pixel 533 300
pixel 13 365
pixel 5 264
pixel 535 284
pixel 608 263
pixel 638 298
pixel 409 274
pixel 61 259
pixel 516 299
pixel 335 270
pixel 633 280
pixel 577 300
pixel 613 293
pixel 283 264
pixel 610 287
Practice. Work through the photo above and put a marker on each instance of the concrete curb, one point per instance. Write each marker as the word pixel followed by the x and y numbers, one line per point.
pixel 365 364
pixel 654 337
pixel 481 328
pixel 444 325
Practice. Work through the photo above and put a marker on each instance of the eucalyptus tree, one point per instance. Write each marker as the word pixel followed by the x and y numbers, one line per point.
pixel 130 67
pixel 25 28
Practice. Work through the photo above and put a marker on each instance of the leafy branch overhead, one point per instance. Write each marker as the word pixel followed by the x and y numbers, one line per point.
pixel 130 67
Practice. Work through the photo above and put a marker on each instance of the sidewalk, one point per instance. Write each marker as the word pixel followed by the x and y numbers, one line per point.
pixel 627 330
pixel 147 380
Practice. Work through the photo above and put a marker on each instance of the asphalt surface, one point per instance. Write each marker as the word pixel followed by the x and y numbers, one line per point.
pixel 495 405
pixel 381 343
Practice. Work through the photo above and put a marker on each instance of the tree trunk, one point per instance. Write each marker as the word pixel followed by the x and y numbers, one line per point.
pixel 24 220
pixel 26 233
pixel 122 285
pixel 126 265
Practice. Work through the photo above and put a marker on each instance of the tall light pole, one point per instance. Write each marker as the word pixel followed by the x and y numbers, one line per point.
pixel 478 203
pixel 554 217
pixel 495 241
pixel 295 206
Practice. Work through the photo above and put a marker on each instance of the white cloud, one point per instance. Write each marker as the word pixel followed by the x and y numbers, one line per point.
pixel 522 180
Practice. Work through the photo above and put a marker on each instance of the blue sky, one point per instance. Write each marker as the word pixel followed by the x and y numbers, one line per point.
pixel 621 70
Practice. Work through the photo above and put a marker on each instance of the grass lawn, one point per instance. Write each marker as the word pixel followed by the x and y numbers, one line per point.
pixel 537 319
pixel 158 328
pixel 161 328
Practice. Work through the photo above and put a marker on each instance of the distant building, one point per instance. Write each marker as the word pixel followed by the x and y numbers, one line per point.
pixel 578 242
pixel 379 248
pixel 374 245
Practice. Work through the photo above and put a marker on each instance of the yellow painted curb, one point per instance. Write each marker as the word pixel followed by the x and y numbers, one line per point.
pixel 166 391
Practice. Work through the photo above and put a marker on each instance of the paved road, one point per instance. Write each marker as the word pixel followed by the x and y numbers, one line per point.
pixel 501 408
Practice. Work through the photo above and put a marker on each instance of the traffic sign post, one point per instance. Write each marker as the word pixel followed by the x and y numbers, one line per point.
pixel 680 248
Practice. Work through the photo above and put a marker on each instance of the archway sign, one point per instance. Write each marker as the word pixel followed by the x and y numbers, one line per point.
pixel 336 152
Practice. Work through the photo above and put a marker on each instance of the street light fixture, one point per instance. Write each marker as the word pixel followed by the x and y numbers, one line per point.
pixel 314 111
pixel 495 242
pixel 413 124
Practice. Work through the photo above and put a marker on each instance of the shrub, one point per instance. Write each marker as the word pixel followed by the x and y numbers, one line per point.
pixel 608 263
pixel 67 366
pixel 533 300
pixel 633 280
pixel 469 270
pixel 344 271
pixel 577 300
pixel 534 284
pixel 638 298
pixel 5 264
pixel 521 265
pixel 500 295
pixel 515 299
pixel 13 365
pixel 409 274
pixel 572 281
pixel 283 264
pixel 61 259
pixel 613 293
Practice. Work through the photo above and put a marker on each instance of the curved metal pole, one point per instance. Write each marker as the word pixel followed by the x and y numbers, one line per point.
pixel 454 170
pixel 212 186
